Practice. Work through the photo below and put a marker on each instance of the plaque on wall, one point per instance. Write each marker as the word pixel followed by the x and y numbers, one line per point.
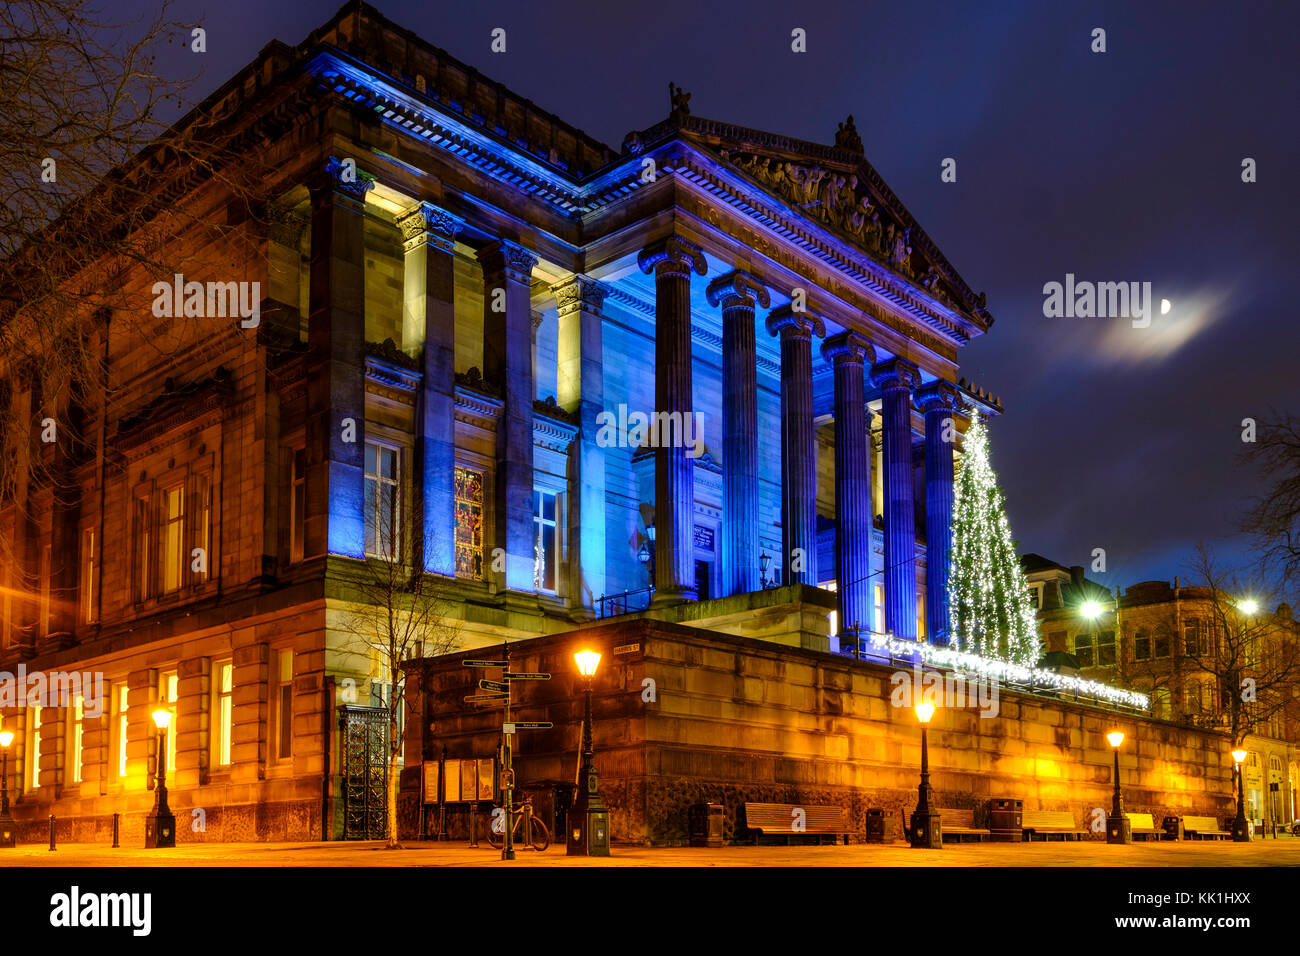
pixel 430 788
pixel 703 538
pixel 453 781
pixel 485 782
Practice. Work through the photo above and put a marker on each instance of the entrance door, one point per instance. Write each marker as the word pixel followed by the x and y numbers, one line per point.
pixel 703 573
pixel 365 802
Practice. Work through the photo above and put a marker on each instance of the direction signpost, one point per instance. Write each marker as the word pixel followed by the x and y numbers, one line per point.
pixel 499 691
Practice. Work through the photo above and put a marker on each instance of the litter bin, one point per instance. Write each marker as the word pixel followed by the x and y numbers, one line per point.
pixel 561 802
pixel 880 826
pixel 1173 827
pixel 1005 818
pixel 706 824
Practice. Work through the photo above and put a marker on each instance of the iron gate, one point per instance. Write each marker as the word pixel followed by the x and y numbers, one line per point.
pixel 365 754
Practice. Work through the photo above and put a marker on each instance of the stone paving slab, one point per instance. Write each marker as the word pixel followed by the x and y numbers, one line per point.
pixel 1085 853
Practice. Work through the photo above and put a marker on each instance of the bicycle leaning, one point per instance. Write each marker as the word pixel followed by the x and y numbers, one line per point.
pixel 526 827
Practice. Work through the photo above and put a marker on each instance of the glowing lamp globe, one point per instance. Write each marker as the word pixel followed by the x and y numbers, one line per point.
pixel 1116 737
pixel 924 712
pixel 1248 606
pixel 162 718
pixel 1239 756
pixel 6 738
pixel 1090 609
pixel 587 662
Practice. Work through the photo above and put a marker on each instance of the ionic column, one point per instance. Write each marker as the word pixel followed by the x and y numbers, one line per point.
pixel 429 320
pixel 508 364
pixel 938 401
pixel 849 352
pixel 336 408
pixel 737 293
pixel 798 443
pixel 895 379
pixel 673 259
pixel 580 387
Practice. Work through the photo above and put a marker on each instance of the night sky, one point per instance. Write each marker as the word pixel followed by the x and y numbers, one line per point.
pixel 1119 166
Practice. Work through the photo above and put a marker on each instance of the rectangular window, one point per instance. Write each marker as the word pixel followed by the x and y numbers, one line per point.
pixel 1160 702
pixel 469 524
pixel 225 711
pixel 120 723
pixel 201 564
pixel 1192 698
pixel 34 749
pixel 382 502
pixel 1083 649
pixel 283 701
pixel 74 739
pixel 173 538
pixel 168 683
pixel 879 597
pixel 1105 648
pixel 1160 646
pixel 87 589
pixel 920 613
pixel 298 504
pixel 45 591
pixel 1142 646
pixel 142 528
pixel 545 552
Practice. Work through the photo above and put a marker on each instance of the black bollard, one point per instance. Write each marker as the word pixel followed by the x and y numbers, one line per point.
pixel 51 833
pixel 473 826
pixel 117 819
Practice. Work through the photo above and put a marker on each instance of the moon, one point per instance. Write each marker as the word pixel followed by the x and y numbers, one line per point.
pixel 1165 306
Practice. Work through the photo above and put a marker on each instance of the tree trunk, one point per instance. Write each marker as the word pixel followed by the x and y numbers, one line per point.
pixel 393 752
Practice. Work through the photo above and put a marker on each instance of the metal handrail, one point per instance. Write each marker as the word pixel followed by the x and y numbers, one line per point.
pixel 611 605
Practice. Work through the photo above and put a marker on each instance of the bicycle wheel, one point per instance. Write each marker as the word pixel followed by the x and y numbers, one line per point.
pixel 539 836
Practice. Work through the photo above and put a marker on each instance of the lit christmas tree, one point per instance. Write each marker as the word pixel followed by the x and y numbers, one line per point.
pixel 992 608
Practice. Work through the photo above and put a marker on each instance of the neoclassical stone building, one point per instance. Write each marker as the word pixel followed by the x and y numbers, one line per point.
pixel 465 305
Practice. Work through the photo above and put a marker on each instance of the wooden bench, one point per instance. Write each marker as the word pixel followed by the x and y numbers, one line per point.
pixel 1144 825
pixel 1202 828
pixel 959 824
pixel 1049 823
pixel 792 819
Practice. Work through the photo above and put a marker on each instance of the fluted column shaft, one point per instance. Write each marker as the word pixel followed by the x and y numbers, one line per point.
pixel 937 401
pixel 672 260
pixel 798 443
pixel 895 379
pixel 849 352
pixel 737 293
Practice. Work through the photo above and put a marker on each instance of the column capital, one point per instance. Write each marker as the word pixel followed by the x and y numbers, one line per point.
pixel 737 289
pixel 895 373
pixel 346 179
pixel 579 293
pixel 428 224
pixel 786 322
pixel 672 256
pixel 937 396
pixel 504 259
pixel 848 348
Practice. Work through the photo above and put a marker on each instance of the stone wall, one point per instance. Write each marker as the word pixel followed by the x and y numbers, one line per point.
pixel 727 720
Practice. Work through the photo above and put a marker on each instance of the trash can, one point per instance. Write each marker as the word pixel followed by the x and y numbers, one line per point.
pixel 1173 827
pixel 880 826
pixel 1005 818
pixel 706 824
pixel 561 801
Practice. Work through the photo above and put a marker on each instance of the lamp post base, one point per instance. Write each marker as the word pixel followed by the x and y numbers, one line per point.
pixel 1240 830
pixel 1119 829
pixel 925 831
pixel 587 832
pixel 159 831
pixel 8 831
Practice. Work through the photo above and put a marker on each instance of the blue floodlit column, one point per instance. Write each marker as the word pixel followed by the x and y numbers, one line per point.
pixel 798 443
pixel 938 401
pixel 896 379
pixel 850 352
pixel 336 410
pixel 429 320
pixel 673 259
pixel 737 293
pixel 580 387
pixel 508 364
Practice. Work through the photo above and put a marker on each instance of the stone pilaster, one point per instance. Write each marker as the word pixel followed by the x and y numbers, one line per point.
pixel 429 322
pixel 673 259
pixel 580 388
pixel 737 293
pixel 938 402
pixel 798 443
pixel 896 378
pixel 849 353
pixel 508 363
pixel 335 522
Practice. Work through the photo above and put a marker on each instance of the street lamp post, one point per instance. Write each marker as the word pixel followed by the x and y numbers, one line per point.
pixel 1119 829
pixel 160 824
pixel 1240 828
pixel 925 830
pixel 588 819
pixel 8 828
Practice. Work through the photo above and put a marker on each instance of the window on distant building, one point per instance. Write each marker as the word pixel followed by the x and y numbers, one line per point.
pixel 33 754
pixel 1083 649
pixel 920 614
pixel 878 599
pixel 1192 698
pixel 168 684
pixel 1142 645
pixel 1105 648
pixel 1160 702
pixel 1195 638
pixel 469 524
pixel 201 536
pixel 87 588
pixel 224 707
pixel 142 528
pixel 74 740
pixel 546 550
pixel 173 538
pixel 1160 644
pixel 46 570
pixel 282 704
pixel 120 725
pixel 382 502
pixel 297 504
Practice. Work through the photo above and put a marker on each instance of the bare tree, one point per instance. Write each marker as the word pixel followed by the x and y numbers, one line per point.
pixel 399 612
pixel 1275 517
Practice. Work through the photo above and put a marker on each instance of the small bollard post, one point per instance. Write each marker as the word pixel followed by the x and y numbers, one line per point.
pixel 117 820
pixel 51 833
pixel 473 826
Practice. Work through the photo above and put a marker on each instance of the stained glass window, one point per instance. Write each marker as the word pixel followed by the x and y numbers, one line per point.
pixel 469 524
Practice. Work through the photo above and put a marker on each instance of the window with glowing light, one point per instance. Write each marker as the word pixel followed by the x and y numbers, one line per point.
pixel 546 550
pixel 469 524
pixel 87 583
pixel 382 501
pixel 33 754
pixel 224 714
pixel 282 705
pixel 173 538
pixel 120 727
pixel 168 685
pixel 74 740
pixel 1105 648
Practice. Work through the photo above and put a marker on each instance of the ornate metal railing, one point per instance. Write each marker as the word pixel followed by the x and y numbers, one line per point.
pixel 611 605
